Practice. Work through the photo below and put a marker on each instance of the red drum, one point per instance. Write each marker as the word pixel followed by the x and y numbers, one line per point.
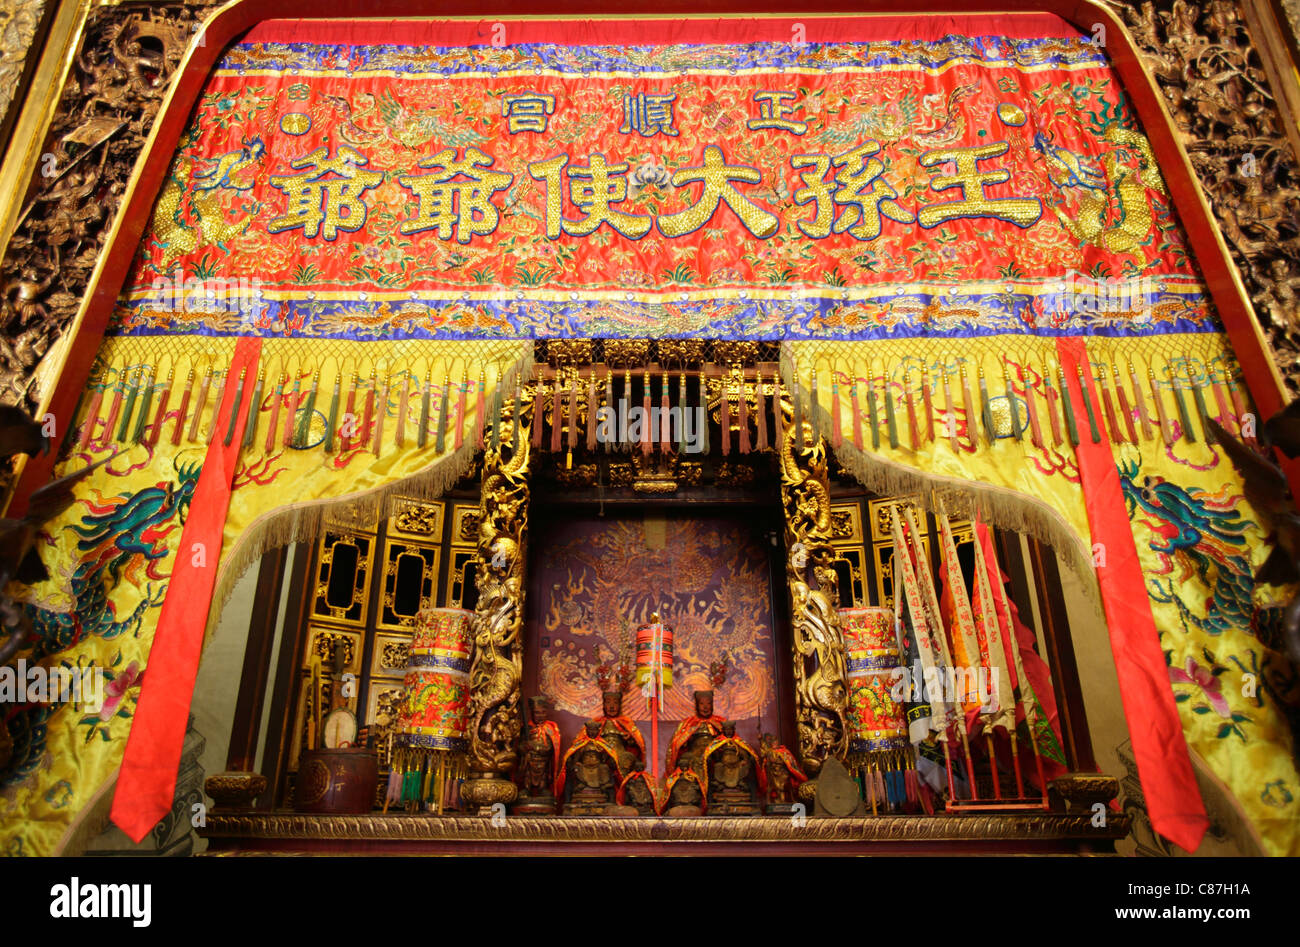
pixel 339 781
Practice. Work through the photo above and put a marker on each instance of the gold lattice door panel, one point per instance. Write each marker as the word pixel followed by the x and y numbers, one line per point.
pixel 343 577
pixel 410 582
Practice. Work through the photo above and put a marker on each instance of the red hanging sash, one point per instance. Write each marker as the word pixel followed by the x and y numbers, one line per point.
pixel 147 780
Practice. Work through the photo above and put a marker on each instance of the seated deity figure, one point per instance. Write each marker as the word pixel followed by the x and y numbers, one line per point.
pixel 638 792
pixel 685 793
pixel 590 774
pixel 732 768
pixel 693 736
pixel 620 731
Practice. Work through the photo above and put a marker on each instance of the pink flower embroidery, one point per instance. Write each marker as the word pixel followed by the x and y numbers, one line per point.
pixel 116 689
pixel 1210 685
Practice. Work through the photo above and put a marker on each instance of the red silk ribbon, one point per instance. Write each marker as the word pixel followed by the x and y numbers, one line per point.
pixel 1164 763
pixel 147 780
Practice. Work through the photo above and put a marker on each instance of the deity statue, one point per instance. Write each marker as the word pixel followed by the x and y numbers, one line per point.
pixel 685 793
pixel 590 774
pixel 637 792
pixel 693 736
pixel 539 768
pixel 780 776
pixel 732 768
pixel 620 731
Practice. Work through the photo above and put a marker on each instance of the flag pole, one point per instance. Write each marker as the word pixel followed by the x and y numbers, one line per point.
pixel 656 689
pixel 1012 648
pixel 654 732
pixel 993 763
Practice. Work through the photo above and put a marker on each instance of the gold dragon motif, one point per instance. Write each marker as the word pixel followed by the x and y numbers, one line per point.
pixel 1134 211
pixel 820 669
pixel 496 669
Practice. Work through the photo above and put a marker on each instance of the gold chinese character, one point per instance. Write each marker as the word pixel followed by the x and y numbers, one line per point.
pixel 772 112
pixel 592 189
pixel 527 112
pixel 1021 211
pixel 862 192
pixel 316 204
pixel 648 114
pixel 447 205
pixel 717 175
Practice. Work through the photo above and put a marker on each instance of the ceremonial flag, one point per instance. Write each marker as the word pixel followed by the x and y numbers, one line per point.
pixel 1001 703
pixel 1032 677
pixel 961 622
pixel 929 717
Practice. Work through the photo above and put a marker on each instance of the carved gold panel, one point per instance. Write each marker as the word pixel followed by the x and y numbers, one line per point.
pixel 627 353
pixel 883 560
pixel 417 519
pixel 343 577
pixel 303 714
pixel 735 352
pixel 570 351
pixel 325 642
pixel 344 521
pixel 383 697
pixel 850 565
pixel 681 352
pixel 464 524
pixel 846 523
pixel 878 513
pixel 390 655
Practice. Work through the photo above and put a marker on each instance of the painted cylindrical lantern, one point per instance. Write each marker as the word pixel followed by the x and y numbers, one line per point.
pixel 654 654
pixel 434 712
pixel 877 724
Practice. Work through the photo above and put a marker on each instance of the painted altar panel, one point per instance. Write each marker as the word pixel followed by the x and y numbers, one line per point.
pixel 593 580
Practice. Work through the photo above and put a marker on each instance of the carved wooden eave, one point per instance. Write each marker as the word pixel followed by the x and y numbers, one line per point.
pixel 91 107
pixel 1227 74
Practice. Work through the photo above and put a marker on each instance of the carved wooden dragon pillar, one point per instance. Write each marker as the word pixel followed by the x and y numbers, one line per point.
pixel 496 669
pixel 819 663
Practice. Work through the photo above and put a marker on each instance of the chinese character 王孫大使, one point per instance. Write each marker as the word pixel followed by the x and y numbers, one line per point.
pixel 863 194
pixel 319 202
pixel 527 111
pixel 649 114
pixel 974 202
pixel 592 189
pixel 463 206
pixel 717 176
